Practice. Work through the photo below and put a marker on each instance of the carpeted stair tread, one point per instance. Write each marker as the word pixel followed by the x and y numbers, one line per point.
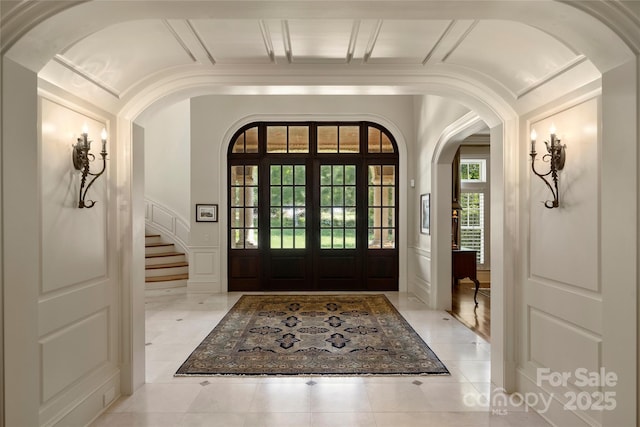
pixel 167 278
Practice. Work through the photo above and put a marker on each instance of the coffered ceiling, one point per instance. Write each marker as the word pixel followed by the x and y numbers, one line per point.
pixel 515 55
pixel 114 49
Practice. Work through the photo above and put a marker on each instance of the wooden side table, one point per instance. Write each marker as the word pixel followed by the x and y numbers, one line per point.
pixel 463 264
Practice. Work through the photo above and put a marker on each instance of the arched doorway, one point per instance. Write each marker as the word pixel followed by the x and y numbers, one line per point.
pixel 313 206
pixel 463 89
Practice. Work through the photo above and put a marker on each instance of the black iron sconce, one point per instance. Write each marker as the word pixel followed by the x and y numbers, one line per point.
pixel 556 157
pixel 81 160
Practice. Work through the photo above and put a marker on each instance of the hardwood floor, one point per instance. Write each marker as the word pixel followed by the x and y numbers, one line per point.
pixel 463 308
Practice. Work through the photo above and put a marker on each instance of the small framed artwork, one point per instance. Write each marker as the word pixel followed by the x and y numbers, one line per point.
pixel 425 213
pixel 206 213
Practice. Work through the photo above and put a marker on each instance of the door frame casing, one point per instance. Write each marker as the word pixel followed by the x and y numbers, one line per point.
pixel 402 187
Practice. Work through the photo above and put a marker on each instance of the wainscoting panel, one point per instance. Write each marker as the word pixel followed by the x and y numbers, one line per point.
pixel 62 220
pixel 161 219
pixel 561 346
pixel 421 283
pixel 69 354
pixel 204 270
pixel 570 232
pixel 578 308
pixel 56 312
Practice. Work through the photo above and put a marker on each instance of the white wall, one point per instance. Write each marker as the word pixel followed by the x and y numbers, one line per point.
pixel 433 115
pixel 167 158
pixel 214 119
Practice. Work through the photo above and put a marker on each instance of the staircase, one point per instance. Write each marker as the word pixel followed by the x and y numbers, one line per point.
pixel 164 266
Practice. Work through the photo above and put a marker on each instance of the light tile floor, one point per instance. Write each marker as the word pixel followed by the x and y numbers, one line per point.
pixel 176 322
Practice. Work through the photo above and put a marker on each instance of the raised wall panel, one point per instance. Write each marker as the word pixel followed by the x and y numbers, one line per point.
pixel 203 263
pixel 564 241
pixel 567 304
pixel 69 354
pixel 82 232
pixel 204 270
pixel 182 231
pixel 54 313
pixel 161 217
pixel 561 346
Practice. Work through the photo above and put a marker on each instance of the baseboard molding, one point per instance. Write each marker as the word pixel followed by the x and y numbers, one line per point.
pixel 92 405
pixel 422 291
pixel 556 414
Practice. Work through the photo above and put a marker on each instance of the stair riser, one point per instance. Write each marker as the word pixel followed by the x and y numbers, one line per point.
pixel 165 259
pixel 155 272
pixel 152 239
pixel 159 249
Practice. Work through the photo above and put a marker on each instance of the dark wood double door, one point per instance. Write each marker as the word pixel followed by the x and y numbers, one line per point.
pixel 323 225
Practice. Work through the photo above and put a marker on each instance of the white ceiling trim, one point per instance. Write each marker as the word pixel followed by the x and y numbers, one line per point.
pixel 201 41
pixel 372 41
pixel 460 40
pixel 286 39
pixel 552 75
pixel 352 40
pixel 180 41
pixel 268 41
pixel 444 34
pixel 87 76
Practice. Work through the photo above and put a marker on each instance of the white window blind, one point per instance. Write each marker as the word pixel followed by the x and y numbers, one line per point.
pixel 472 223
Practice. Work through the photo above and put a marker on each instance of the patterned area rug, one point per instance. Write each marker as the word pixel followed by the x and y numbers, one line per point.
pixel 312 334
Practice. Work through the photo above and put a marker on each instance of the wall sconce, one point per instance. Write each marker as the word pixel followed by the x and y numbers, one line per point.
pixel 555 156
pixel 81 160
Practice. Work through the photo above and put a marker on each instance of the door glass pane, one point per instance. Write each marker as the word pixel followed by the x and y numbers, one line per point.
pixel 298 139
pixel 287 206
pixel 276 139
pixel 244 207
pixel 237 196
pixel 349 139
pixel 327 139
pixel 387 146
pixel 350 175
pixel 237 175
pixel 251 140
pixel 238 145
pixel 381 219
pixel 237 218
pixel 373 142
pixel 338 206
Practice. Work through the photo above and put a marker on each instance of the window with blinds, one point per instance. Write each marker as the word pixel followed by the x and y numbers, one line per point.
pixel 472 223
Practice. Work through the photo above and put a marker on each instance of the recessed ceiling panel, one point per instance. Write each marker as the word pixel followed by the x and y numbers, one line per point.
pixel 319 39
pixel 517 55
pixel 405 41
pixel 235 41
pixel 122 54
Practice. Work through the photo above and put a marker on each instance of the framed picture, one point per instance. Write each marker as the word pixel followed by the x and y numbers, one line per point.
pixel 206 213
pixel 425 213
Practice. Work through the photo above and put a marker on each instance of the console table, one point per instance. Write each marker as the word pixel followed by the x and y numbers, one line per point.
pixel 463 264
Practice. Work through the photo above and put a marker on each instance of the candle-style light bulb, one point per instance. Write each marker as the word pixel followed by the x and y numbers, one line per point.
pixel 553 130
pixel 103 136
pixel 534 135
pixel 85 129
